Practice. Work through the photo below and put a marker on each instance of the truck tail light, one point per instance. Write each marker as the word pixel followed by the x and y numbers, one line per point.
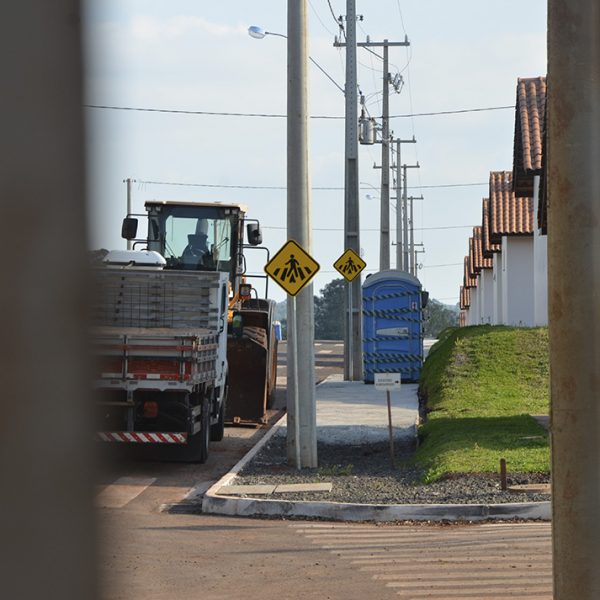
pixel 150 410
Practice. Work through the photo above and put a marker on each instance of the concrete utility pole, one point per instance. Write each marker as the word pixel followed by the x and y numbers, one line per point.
pixel 353 339
pixel 413 252
pixel 405 234
pixel 129 181
pixel 49 546
pixel 353 327
pixel 299 229
pixel 384 222
pixel 573 142
pixel 399 210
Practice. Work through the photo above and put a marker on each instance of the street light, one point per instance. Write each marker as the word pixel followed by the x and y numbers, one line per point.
pixel 258 33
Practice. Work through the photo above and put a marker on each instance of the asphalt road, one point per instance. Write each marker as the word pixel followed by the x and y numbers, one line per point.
pixel 153 555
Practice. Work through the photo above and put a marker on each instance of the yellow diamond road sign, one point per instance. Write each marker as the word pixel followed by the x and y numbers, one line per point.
pixel 292 267
pixel 349 264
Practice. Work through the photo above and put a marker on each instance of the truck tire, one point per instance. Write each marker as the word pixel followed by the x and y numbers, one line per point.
pixel 197 446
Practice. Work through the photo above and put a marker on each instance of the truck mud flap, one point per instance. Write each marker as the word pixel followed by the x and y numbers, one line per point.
pixel 247 358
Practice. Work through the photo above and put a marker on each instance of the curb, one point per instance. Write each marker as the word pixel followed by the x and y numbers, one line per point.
pixel 215 503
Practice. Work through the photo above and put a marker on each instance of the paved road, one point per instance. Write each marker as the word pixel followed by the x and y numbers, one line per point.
pixel 147 554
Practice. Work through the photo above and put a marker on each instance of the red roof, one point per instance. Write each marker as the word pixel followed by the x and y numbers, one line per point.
pixel 465 297
pixel 509 215
pixel 468 280
pixel 488 249
pixel 530 124
pixel 479 261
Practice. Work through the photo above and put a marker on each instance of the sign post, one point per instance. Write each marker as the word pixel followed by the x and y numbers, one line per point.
pixel 292 268
pixel 349 265
pixel 389 382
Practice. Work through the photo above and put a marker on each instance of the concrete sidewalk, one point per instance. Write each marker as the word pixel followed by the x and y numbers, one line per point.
pixel 353 413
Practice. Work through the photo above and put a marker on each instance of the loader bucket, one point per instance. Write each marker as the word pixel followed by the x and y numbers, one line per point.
pixel 247 399
pixel 252 361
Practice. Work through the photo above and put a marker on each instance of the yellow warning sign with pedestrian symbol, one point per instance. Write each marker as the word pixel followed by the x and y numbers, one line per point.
pixel 349 264
pixel 292 267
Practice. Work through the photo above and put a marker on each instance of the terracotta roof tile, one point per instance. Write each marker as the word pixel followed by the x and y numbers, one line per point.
pixel 509 215
pixel 468 280
pixel 472 271
pixel 488 249
pixel 530 123
pixel 479 261
pixel 465 297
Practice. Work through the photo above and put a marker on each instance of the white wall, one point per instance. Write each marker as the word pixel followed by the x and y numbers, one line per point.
pixel 485 285
pixel 540 265
pixel 497 299
pixel 517 281
pixel 473 316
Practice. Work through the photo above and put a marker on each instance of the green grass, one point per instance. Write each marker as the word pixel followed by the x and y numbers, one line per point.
pixel 481 384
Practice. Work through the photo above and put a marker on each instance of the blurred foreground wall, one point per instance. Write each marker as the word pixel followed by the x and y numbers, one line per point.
pixel 46 529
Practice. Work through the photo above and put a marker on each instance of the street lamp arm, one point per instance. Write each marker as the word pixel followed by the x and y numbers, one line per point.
pixel 258 33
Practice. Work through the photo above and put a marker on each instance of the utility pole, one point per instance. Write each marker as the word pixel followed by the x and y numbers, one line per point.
pixel 353 339
pixel 129 181
pixel 405 234
pixel 299 228
pixel 353 329
pixel 384 222
pixel 573 143
pixel 399 210
pixel 413 253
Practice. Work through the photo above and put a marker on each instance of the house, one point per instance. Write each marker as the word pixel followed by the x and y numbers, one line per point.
pixel 511 226
pixel 490 252
pixel 505 277
pixel 528 176
pixel 481 268
pixel 470 285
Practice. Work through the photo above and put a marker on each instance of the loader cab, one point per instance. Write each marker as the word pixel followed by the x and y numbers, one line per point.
pixel 196 236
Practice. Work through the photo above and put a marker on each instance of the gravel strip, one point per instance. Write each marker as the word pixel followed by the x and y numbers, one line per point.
pixel 363 475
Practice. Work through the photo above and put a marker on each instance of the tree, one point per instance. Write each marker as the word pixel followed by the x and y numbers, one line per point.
pixel 329 311
pixel 438 316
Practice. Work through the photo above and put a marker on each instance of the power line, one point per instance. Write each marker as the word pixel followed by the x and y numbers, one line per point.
pixel 377 230
pixel 324 272
pixel 283 187
pixel 452 112
pixel 283 116
pixel 337 22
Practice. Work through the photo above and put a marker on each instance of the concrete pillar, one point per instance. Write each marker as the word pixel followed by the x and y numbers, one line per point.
pixel 498 294
pixel 574 288
pixel 540 264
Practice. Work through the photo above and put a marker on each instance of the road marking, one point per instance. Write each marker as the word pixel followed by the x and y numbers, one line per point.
pixel 122 491
pixel 485 562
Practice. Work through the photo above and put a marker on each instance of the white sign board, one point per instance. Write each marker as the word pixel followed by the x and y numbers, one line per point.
pixel 387 382
pixel 397 331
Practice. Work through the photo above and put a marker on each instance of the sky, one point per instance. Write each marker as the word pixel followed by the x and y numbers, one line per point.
pixel 197 56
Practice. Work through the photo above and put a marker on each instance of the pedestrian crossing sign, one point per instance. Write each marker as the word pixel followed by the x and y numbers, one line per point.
pixel 349 265
pixel 292 267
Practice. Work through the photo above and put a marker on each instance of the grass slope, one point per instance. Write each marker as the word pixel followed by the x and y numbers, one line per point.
pixel 481 384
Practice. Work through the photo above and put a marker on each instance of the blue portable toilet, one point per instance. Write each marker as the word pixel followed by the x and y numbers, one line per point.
pixel 392 325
